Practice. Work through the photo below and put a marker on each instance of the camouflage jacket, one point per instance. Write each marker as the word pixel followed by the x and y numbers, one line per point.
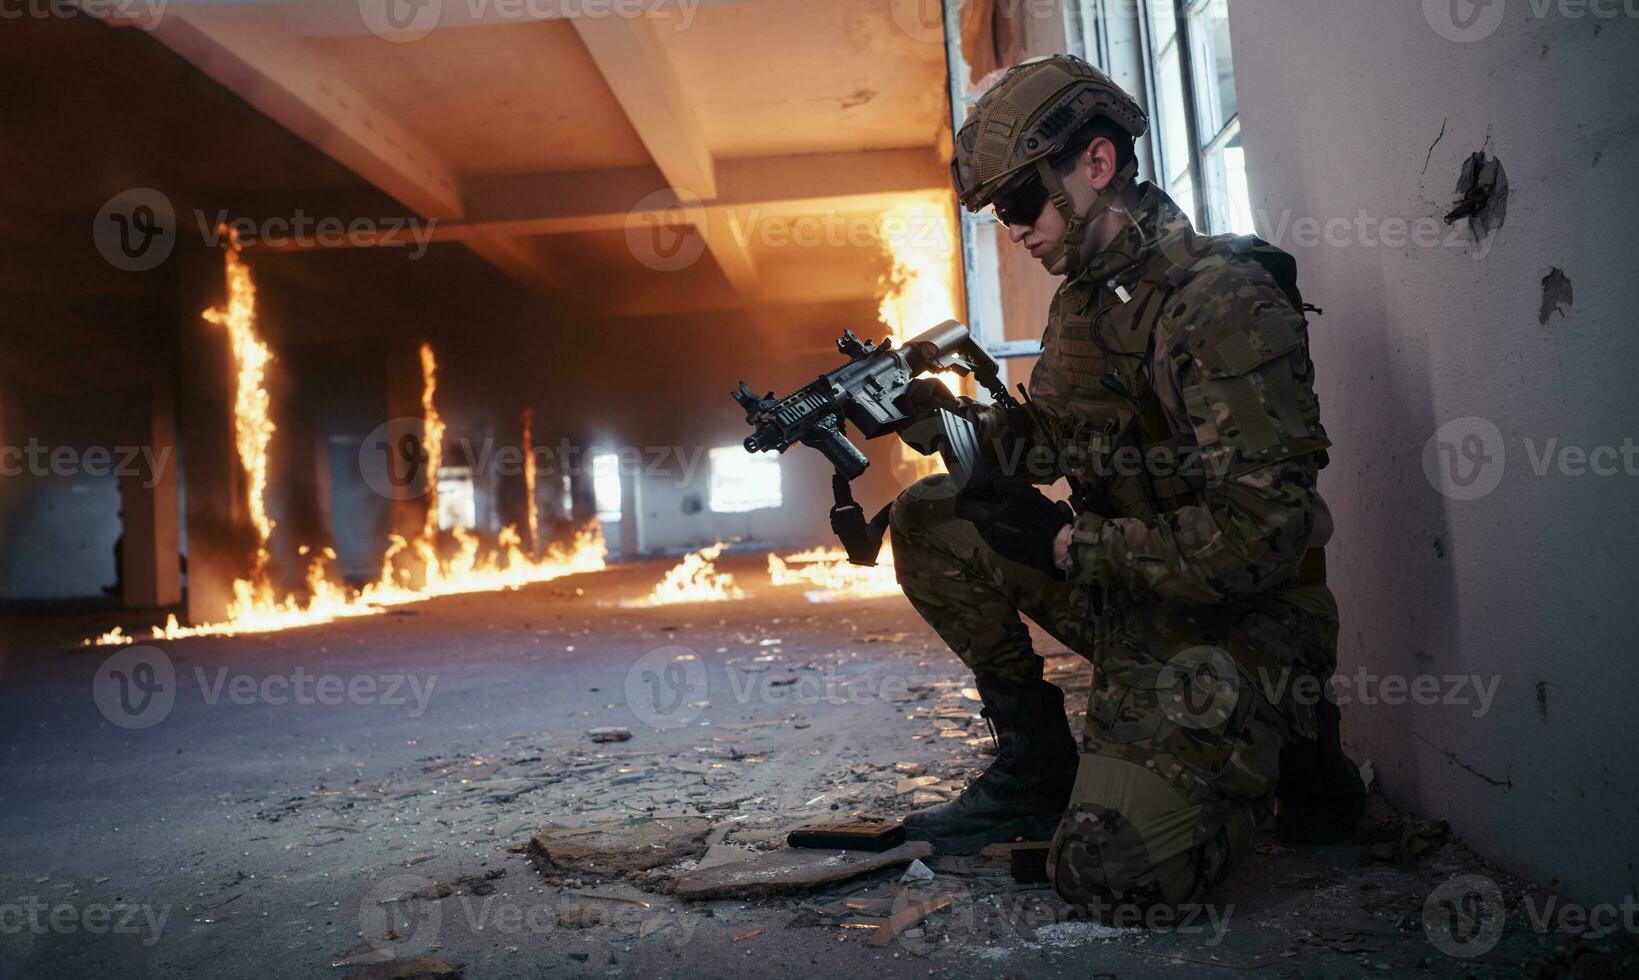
pixel 1196 430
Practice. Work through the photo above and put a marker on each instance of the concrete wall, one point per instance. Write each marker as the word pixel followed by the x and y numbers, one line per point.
pixel 1353 109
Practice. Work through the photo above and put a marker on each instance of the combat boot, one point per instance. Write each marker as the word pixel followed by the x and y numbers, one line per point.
pixel 1320 791
pixel 1024 792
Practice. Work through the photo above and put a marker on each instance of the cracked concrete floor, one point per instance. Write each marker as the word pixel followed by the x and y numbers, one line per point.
pixel 246 834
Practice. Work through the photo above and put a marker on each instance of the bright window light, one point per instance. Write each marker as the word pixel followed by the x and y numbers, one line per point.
pixel 606 485
pixel 457 499
pixel 741 481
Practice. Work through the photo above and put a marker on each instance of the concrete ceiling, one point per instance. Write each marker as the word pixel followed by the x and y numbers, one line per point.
pixel 539 140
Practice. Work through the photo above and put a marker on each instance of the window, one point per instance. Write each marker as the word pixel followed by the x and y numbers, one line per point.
pixel 606 486
pixel 742 481
pixel 457 499
pixel 1195 114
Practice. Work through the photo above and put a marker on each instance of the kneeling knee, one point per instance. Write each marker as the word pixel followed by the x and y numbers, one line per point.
pixel 922 504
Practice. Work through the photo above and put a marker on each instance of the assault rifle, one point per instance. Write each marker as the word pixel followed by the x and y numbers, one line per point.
pixel 868 392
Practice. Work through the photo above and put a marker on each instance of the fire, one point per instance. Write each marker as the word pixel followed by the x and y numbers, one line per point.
pixel 695 579
pixel 533 506
pixel 256 609
pixel 920 291
pixel 832 577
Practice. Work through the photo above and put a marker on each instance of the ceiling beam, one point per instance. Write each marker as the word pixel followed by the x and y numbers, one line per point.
pixel 633 61
pixel 750 190
pixel 301 91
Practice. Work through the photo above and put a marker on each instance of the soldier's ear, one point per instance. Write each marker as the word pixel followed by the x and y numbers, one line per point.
pixel 1099 162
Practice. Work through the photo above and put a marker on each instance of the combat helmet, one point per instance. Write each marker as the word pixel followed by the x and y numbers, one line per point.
pixel 1026 120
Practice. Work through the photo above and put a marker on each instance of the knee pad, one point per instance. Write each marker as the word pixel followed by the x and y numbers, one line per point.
pixel 1128 843
pixel 924 503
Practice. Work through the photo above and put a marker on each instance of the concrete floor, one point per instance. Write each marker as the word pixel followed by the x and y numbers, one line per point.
pixel 241 837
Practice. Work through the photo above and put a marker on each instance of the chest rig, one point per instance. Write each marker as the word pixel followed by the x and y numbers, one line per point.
pixel 1112 430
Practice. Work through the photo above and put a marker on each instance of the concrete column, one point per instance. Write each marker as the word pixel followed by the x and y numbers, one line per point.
pixel 403 412
pixel 150 503
pixel 221 541
pixel 631 510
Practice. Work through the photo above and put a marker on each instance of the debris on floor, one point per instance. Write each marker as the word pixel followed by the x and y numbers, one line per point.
pixel 615 849
pixel 793 870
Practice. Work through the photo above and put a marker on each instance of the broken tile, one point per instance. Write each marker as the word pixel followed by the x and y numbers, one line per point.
pixel 793 869
pixel 621 848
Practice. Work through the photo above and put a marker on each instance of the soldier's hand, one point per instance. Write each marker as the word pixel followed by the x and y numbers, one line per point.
pixel 1016 520
pixel 924 396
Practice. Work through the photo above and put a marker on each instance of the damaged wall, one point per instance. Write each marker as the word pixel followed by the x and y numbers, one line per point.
pixel 1484 550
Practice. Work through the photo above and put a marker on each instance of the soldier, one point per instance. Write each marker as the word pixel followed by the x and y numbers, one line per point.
pixel 1175 390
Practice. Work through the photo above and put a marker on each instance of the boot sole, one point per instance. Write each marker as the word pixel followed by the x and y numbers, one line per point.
pixel 1028 828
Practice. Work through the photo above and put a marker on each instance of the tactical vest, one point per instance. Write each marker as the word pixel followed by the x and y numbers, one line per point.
pixel 1112 435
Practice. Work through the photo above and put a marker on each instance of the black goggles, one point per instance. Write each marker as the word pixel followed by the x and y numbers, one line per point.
pixel 1021 205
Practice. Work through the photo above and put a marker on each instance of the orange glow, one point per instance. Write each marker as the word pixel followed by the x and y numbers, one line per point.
pixel 831 578
pixel 695 579
pixel 920 291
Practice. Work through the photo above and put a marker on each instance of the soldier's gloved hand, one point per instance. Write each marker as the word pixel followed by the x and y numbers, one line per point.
pixel 1016 520
pixel 924 396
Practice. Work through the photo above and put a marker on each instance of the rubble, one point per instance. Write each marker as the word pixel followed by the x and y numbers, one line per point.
pixel 792 870
pixel 617 849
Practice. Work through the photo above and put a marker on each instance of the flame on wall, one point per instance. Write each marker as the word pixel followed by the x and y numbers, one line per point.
pixel 831 578
pixel 694 579
pixel 255 608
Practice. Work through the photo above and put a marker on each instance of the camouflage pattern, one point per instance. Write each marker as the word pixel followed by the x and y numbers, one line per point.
pixel 1200 564
pixel 1030 115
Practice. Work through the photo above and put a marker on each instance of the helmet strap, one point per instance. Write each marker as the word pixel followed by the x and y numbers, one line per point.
pixel 1076 225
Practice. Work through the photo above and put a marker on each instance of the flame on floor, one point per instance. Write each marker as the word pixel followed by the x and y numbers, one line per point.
pixel 831 578
pixel 256 607
pixel 694 579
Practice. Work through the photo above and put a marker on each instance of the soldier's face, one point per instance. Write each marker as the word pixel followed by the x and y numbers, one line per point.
pixel 1041 237
pixel 1084 181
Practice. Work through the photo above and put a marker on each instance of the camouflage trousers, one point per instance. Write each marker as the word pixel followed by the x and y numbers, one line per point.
pixel 1189 710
